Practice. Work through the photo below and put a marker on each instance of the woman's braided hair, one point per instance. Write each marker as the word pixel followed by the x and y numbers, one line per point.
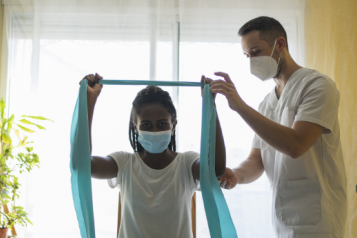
pixel 147 96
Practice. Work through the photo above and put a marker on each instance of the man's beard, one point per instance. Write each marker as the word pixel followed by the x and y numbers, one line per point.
pixel 281 67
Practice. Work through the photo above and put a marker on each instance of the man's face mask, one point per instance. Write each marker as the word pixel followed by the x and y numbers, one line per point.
pixel 264 67
pixel 154 142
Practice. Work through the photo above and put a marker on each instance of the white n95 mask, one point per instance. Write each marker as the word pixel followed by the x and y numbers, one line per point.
pixel 264 67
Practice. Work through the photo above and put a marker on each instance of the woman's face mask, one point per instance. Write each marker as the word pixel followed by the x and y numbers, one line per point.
pixel 154 127
pixel 155 142
pixel 264 67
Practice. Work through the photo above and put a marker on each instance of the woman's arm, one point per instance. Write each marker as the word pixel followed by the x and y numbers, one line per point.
pixel 220 161
pixel 101 167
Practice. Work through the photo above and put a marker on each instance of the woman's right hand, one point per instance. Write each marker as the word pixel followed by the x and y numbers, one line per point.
pixel 94 88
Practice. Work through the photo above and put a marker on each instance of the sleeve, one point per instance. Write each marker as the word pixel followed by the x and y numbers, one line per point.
pixel 120 158
pixel 190 158
pixel 256 139
pixel 256 142
pixel 319 104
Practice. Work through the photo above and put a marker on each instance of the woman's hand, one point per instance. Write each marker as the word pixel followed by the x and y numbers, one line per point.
pixel 207 81
pixel 228 89
pixel 229 179
pixel 94 88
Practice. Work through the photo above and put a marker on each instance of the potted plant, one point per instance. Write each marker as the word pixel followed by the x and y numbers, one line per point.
pixel 14 159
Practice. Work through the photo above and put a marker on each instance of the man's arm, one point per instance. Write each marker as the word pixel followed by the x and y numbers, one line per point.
pixel 293 142
pixel 248 171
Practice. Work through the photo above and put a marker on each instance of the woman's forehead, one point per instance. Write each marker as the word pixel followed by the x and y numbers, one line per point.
pixel 153 112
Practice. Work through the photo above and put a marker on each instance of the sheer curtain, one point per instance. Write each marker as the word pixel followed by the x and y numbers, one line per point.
pixel 53 44
pixel 325 40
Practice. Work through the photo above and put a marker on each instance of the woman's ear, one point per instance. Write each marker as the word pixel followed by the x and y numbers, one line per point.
pixel 135 129
pixel 173 127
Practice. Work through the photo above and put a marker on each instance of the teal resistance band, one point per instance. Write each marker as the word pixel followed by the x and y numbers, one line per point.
pixel 219 219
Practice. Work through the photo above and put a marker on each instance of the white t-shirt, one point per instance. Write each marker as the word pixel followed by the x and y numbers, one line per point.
pixel 155 203
pixel 309 193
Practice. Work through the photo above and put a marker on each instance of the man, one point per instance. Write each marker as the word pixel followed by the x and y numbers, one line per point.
pixel 297 141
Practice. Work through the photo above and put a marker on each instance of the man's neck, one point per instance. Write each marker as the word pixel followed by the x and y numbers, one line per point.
pixel 290 67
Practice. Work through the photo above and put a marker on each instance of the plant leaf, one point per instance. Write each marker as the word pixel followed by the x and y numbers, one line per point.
pixel 5 196
pixel 17 133
pixel 28 220
pixel 25 129
pixel 2 108
pixel 38 118
pixel 6 138
pixel 31 123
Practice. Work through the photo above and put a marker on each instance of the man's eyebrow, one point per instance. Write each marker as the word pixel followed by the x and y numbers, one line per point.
pixel 244 53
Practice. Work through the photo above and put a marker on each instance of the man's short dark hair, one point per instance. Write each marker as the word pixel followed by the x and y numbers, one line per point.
pixel 269 29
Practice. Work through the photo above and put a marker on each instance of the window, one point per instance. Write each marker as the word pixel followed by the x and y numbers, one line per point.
pixel 49 54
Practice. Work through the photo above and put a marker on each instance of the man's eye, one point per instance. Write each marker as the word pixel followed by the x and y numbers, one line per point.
pixel 256 52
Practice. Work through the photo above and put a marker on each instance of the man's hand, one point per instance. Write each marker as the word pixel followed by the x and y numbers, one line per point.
pixel 94 88
pixel 228 89
pixel 229 179
pixel 207 81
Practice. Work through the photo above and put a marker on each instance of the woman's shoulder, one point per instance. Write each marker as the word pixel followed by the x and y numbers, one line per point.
pixel 122 155
pixel 190 154
pixel 189 157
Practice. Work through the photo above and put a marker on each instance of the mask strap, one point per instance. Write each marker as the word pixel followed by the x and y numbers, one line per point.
pixel 279 58
pixel 273 48
pixel 273 51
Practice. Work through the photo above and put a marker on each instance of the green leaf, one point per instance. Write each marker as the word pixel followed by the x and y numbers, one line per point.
pixel 6 138
pixel 25 129
pixel 38 118
pixel 2 108
pixel 5 196
pixel 17 133
pixel 31 123
pixel 28 220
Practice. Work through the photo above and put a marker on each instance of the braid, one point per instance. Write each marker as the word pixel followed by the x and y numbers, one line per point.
pixel 150 95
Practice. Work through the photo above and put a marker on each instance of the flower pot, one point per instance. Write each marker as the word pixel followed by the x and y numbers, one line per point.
pixel 3 232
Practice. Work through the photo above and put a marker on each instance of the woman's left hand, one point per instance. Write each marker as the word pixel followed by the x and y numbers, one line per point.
pixel 207 81
pixel 228 89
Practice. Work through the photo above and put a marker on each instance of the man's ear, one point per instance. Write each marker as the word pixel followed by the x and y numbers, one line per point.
pixel 281 43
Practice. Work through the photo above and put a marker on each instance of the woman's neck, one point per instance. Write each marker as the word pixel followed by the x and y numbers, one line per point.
pixel 158 161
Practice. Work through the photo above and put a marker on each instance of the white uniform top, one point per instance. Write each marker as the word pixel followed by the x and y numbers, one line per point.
pixel 155 203
pixel 309 193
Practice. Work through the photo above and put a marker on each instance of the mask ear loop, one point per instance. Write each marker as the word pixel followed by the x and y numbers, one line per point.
pixel 273 52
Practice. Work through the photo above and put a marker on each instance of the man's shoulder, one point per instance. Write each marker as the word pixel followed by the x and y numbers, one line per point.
pixel 314 77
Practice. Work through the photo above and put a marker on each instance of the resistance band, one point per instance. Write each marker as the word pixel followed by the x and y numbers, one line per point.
pixel 218 216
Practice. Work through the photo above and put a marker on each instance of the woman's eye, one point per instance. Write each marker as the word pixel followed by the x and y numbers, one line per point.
pixel 146 125
pixel 162 124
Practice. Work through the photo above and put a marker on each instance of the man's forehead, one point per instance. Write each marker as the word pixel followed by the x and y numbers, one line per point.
pixel 250 40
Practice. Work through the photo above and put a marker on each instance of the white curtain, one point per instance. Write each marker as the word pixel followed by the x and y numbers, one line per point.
pixel 51 45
